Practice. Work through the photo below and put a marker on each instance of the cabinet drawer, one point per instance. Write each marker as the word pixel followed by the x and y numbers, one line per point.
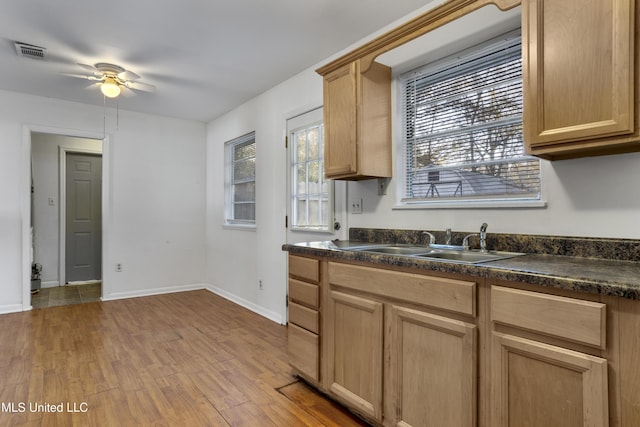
pixel 458 296
pixel 304 268
pixel 303 351
pixel 568 318
pixel 305 293
pixel 304 317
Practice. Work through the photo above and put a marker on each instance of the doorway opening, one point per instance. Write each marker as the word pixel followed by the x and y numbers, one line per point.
pixel 66 219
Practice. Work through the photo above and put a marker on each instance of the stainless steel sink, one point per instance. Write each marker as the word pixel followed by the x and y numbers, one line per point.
pixel 470 257
pixel 435 254
pixel 396 250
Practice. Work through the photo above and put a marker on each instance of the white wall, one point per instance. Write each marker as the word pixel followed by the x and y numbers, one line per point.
pixel 155 214
pixel 238 259
pixel 46 184
pixel 594 197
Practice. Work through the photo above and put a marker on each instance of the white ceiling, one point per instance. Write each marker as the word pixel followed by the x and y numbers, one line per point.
pixel 205 57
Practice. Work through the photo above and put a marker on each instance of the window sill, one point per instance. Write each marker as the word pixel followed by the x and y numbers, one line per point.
pixel 479 204
pixel 244 227
pixel 310 230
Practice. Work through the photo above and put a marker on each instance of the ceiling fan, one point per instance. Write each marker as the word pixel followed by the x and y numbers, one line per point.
pixel 113 79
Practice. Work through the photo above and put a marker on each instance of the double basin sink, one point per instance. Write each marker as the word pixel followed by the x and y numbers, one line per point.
pixel 435 252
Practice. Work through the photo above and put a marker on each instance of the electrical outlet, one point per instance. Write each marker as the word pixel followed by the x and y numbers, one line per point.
pixel 260 284
pixel 118 268
pixel 382 186
pixel 356 206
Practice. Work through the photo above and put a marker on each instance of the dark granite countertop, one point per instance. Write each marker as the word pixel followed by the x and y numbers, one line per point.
pixel 584 274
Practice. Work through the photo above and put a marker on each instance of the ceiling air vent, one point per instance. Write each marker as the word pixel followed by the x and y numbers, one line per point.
pixel 30 51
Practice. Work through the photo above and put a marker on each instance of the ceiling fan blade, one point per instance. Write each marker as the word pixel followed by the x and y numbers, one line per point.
pixel 83 76
pixel 89 68
pixel 78 76
pixel 126 92
pixel 141 86
pixel 128 75
pixel 92 86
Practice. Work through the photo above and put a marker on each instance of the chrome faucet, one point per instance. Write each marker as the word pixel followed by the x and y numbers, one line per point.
pixel 465 241
pixel 448 236
pixel 432 238
pixel 483 237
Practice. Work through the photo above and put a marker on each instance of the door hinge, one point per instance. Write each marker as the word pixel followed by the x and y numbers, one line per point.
pixel 286 221
pixel 286 301
pixel 286 142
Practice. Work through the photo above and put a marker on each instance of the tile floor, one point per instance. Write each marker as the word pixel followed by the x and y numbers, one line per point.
pixel 66 295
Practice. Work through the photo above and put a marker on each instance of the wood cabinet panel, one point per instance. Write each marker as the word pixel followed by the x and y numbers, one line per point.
pixel 357 121
pixel 579 79
pixel 303 351
pixel 304 268
pixel 568 318
pixel 458 296
pixel 304 317
pixel 535 384
pixel 433 364
pixel 304 293
pixel 340 118
pixel 354 351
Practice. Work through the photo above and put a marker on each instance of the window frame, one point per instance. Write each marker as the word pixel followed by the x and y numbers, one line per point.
pixel 229 182
pixel 404 200
pixel 294 195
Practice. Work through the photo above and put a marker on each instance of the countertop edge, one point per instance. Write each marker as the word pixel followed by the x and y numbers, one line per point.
pixel 499 270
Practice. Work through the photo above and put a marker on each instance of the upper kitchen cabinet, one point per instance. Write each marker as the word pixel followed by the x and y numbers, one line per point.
pixel 357 95
pixel 357 120
pixel 580 62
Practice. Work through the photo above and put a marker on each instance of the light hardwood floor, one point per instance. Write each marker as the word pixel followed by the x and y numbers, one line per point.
pixel 183 359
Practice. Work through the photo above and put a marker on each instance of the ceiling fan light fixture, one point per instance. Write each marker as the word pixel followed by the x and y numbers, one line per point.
pixel 110 88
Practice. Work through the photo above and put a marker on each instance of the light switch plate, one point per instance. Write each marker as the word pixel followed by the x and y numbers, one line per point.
pixel 356 206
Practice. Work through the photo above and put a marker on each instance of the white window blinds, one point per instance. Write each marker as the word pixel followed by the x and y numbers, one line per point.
pixel 462 131
pixel 241 180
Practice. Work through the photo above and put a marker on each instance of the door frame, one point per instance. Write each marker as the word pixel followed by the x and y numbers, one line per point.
pixel 338 197
pixel 25 181
pixel 62 205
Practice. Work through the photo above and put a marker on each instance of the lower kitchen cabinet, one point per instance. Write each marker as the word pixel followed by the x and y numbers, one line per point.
pixel 414 348
pixel 536 384
pixel 304 317
pixel 393 354
pixel 433 370
pixel 354 352
pixel 303 351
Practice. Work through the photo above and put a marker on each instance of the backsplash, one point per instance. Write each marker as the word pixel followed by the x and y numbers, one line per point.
pixel 588 247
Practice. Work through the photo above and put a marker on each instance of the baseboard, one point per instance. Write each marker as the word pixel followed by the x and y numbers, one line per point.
pixel 12 308
pixel 273 316
pixel 155 291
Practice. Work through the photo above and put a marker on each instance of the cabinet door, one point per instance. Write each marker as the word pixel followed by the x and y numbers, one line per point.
pixel 536 384
pixel 354 340
pixel 303 351
pixel 433 370
pixel 578 71
pixel 340 120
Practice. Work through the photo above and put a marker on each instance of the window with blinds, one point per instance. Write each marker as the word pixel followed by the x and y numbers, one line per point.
pixel 240 183
pixel 462 127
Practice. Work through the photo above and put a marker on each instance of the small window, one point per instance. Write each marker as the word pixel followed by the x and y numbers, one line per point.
pixel 310 192
pixel 462 128
pixel 240 183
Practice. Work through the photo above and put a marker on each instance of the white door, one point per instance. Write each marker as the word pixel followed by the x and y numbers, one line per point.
pixel 315 205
